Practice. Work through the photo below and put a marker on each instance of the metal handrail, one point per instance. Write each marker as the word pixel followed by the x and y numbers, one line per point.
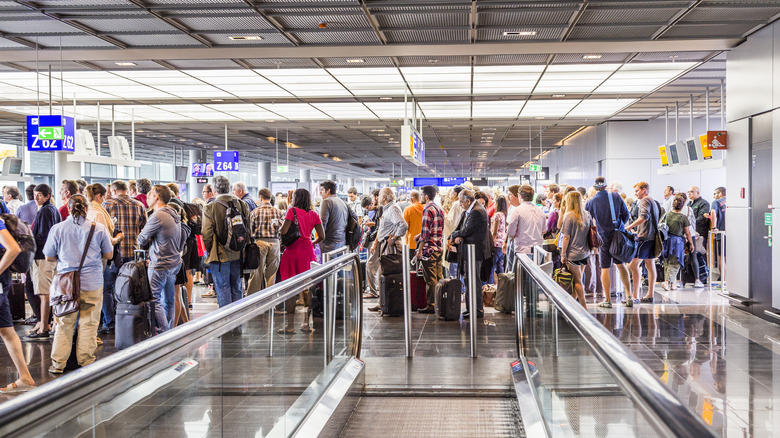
pixel 659 404
pixel 71 394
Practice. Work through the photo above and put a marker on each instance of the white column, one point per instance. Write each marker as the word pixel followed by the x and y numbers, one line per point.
pixel 196 188
pixel 305 175
pixel 264 174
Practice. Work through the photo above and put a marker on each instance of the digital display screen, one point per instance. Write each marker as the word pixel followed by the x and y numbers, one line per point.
pixel 672 152
pixel 202 169
pixel 693 154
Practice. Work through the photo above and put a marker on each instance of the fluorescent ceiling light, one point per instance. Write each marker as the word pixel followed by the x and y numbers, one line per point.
pixel 591 57
pixel 245 37
pixel 385 98
pixel 558 95
pixel 520 33
pixel 356 60
pixel 125 64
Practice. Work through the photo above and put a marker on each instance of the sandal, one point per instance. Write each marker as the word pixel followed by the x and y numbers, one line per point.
pixel 646 300
pixel 285 331
pixel 306 328
pixel 16 387
pixel 605 304
pixel 665 285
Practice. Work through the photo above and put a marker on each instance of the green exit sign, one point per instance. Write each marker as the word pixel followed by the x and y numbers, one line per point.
pixel 282 169
pixel 767 218
pixel 535 167
pixel 51 133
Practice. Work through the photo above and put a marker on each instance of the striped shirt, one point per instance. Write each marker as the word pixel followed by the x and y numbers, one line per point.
pixel 432 232
pixel 392 223
pixel 131 219
pixel 262 221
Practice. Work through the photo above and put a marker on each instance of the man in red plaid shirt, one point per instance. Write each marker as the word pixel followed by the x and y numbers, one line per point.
pixel 429 247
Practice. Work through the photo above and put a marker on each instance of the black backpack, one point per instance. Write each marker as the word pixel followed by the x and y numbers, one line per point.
pixel 236 233
pixel 354 232
pixel 132 281
pixel 22 234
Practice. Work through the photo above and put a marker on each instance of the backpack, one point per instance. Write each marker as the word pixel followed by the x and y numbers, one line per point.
pixel 235 234
pixel 354 232
pixel 22 234
pixel 565 279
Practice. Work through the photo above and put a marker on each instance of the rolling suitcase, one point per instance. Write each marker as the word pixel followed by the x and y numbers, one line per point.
pixel 133 323
pixel 505 293
pixel 417 289
pixel 391 294
pixel 447 301
pixel 16 300
pixel 317 304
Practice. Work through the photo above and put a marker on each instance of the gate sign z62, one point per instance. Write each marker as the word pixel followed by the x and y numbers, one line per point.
pixel 226 161
pixel 51 133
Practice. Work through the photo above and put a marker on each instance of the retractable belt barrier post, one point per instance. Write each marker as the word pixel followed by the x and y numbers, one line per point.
pixel 471 263
pixel 407 300
pixel 711 257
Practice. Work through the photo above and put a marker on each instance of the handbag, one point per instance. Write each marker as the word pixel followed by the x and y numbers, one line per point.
pixel 201 246
pixel 565 279
pixel 65 290
pixel 293 232
pixel 659 241
pixel 251 256
pixel 623 245
pixel 594 240
pixel 391 263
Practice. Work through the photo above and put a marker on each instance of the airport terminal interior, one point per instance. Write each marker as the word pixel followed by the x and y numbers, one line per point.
pixel 601 147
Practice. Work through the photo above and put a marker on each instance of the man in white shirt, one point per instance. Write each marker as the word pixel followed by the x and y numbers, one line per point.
pixel 668 198
pixel 11 198
pixel 526 223
pixel 392 228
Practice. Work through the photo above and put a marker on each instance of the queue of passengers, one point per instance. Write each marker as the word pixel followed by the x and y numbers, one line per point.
pixel 182 238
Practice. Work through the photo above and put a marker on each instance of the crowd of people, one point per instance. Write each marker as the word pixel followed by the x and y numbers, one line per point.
pixel 208 238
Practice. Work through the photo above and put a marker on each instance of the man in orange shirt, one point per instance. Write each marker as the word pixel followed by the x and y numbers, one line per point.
pixel 413 215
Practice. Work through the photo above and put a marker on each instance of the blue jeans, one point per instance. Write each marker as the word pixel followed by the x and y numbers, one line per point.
pixel 498 263
pixel 162 283
pixel 227 281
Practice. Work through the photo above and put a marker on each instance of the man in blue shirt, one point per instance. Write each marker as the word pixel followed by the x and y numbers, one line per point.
pixel 27 213
pixel 717 218
pixel 599 208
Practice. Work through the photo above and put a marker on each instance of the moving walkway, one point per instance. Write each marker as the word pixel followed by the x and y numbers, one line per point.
pixel 229 373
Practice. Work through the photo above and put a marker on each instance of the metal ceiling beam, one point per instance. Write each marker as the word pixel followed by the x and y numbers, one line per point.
pixel 273 23
pixel 352 51
pixel 676 19
pixel 173 23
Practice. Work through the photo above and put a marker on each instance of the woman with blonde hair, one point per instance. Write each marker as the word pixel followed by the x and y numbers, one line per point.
pixel 575 250
pixel 96 193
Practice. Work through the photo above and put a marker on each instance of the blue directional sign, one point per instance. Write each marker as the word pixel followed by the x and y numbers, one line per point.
pixel 419 182
pixel 452 182
pixel 226 161
pixel 51 133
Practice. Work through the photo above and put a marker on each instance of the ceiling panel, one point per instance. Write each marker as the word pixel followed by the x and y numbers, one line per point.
pixel 250 21
pixel 430 19
pixel 503 80
pixel 524 19
pixel 629 32
pixel 223 39
pixel 158 40
pixel 362 37
pixel 281 63
pixel 707 31
pixel 145 24
pixel 510 59
pixel 428 36
pixel 542 34
pixel 628 15
pixel 71 41
pixel 372 81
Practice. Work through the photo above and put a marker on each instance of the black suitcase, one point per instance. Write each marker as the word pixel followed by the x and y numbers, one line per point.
pixel 318 304
pixel 688 275
pixel 447 299
pixel 16 301
pixel 391 294
pixel 133 324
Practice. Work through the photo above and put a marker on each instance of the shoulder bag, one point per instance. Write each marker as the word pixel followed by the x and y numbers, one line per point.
pixel 659 241
pixel 65 290
pixel 391 263
pixel 623 246
pixel 293 232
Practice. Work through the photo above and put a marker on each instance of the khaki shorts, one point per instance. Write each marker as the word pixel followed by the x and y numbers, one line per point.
pixel 43 272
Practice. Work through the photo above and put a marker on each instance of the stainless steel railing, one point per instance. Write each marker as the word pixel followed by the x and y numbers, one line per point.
pixel 663 410
pixel 69 395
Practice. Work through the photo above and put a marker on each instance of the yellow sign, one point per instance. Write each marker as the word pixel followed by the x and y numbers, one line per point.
pixel 664 158
pixel 706 153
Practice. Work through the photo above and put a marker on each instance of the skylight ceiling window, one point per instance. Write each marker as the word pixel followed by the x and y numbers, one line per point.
pixel 370 81
pixel 346 111
pixel 596 108
pixel 438 80
pixel 446 110
pixel 506 79
pixel 548 108
pixel 389 110
pixel 295 111
pixel 502 109
pixel 245 111
pixel 643 77
pixel 239 83
pixel 305 82
pixel 574 78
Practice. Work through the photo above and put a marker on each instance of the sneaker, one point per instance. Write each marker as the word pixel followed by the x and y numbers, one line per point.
pixel 629 303
pixel 31 321
pixel 55 370
pixel 665 285
pixel 209 294
pixel 42 336
pixel 374 309
pixel 698 284
pixel 605 304
pixel 103 330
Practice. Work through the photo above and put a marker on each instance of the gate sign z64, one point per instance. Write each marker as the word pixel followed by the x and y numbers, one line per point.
pixel 51 133
pixel 226 161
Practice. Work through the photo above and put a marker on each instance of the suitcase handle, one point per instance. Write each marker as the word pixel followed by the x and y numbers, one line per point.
pixel 140 255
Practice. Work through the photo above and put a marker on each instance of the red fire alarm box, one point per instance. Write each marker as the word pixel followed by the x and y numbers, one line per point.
pixel 717 140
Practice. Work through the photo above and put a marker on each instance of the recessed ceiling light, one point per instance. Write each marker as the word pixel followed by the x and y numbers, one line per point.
pixel 217 100
pixel 384 135
pixel 245 37
pixel 558 95
pixel 520 33
pixel 591 57
pixel 377 130
pixel 125 64
pixel 269 121
pixel 356 60
pixel 385 98
pixel 488 129
pixel 433 61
